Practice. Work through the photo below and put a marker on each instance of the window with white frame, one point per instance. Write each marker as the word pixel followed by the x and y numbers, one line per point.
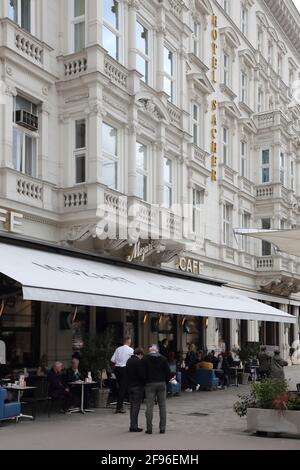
pixel 260 100
pixel 292 175
pixel 80 151
pixel 169 73
pixel 279 64
pixel 270 52
pixel 226 69
pixel 25 141
pixel 111 28
pixel 226 6
pixel 142 171
pixel 168 182
pixel 266 247
pixel 246 221
pixel 260 39
pixel 198 197
pixel 282 168
pixel 227 224
pixel 291 78
pixel 244 159
pixel 110 157
pixel 21 11
pixel 78 25
pixel 244 20
pixel 197 39
pixel 196 124
pixel 142 48
pixel 225 145
pixel 265 166
pixel 244 87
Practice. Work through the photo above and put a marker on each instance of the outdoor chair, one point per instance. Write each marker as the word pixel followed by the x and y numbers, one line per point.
pixel 8 410
pixel 207 379
pixel 175 389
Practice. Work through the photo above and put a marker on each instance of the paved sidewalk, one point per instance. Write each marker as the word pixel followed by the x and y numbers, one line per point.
pixel 203 420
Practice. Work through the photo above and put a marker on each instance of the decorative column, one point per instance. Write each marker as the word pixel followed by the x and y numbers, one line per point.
pixel 160 39
pixel 95 112
pixel 44 142
pixel 296 342
pixel 253 331
pixel 211 335
pixel 132 131
pixel 7 95
pixel 133 6
pixel 234 333
pixel 284 336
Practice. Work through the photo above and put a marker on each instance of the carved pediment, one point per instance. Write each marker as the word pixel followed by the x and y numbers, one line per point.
pixel 279 285
pixel 150 105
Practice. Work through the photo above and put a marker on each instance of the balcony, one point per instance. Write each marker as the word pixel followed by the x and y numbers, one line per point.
pixel 278 274
pixel 18 40
pixel 271 192
pixel 271 119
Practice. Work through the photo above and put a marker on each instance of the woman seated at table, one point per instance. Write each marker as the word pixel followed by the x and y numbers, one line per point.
pixel 43 368
pixel 57 386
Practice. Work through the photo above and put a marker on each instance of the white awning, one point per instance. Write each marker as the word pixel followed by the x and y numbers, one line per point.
pixel 52 277
pixel 285 240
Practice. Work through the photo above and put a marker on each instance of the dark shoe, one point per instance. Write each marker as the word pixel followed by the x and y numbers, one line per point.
pixel 162 431
pixel 148 432
pixel 120 411
pixel 136 430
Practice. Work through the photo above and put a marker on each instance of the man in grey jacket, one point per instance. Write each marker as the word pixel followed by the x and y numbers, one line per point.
pixel 277 365
pixel 156 373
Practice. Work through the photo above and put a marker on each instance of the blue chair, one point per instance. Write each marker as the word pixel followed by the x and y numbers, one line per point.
pixel 175 389
pixel 8 410
pixel 207 379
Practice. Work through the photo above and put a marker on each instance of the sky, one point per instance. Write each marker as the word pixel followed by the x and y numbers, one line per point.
pixel 297 3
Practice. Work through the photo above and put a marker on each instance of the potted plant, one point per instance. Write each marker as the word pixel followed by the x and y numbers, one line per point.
pixel 270 408
pixel 96 354
pixel 247 353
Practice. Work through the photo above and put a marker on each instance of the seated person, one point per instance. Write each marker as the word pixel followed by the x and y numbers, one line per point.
pixel 43 368
pixel 73 374
pixel 230 359
pixel 57 386
pixel 222 371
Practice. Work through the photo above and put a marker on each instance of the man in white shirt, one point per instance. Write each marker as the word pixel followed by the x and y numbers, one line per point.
pixel 119 359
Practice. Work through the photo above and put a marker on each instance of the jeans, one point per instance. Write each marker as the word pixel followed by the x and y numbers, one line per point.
pixel 121 379
pixel 136 395
pixel 156 391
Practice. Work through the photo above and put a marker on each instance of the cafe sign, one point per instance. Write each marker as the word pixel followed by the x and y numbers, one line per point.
pixel 189 265
pixel 139 251
pixel 10 221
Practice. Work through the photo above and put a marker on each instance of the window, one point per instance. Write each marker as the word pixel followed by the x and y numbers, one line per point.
pixel 168 182
pixel 142 46
pixel 111 32
pixel 244 88
pixel 244 163
pixel 265 175
pixel 80 151
pixel 282 168
pixel 198 195
pixel 260 98
pixel 20 11
pixel 282 224
pixel 246 219
pixel 227 224
pixel 291 78
pixel 169 79
pixel 271 102
pixel 260 40
pixel 270 52
pixel 266 246
pixel 78 25
pixel 292 175
pixel 110 156
pixel 225 152
pixel 226 76
pixel 197 39
pixel 226 6
pixel 24 141
pixel 244 20
pixel 196 123
pixel 142 171
pixel 279 64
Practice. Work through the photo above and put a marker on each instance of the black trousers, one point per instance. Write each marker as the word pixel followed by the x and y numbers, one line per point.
pixel 122 384
pixel 136 395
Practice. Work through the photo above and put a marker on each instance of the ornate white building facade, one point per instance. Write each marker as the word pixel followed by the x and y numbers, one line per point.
pixel 115 106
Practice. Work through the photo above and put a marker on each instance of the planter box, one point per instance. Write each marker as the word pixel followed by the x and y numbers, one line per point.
pixel 273 421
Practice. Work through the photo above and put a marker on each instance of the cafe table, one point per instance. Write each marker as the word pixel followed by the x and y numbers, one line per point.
pixel 82 384
pixel 20 390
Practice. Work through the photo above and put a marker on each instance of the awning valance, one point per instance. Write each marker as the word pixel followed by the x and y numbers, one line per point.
pixel 54 277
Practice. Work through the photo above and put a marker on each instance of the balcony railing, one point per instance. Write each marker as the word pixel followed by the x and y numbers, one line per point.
pixel 75 65
pixel 274 191
pixel 270 119
pixel 278 263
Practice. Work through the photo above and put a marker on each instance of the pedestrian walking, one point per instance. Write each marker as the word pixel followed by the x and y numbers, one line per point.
pixel 277 365
pixel 264 361
pixel 136 387
pixel 157 373
pixel 119 359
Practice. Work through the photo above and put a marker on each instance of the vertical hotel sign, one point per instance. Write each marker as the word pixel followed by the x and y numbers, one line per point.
pixel 214 103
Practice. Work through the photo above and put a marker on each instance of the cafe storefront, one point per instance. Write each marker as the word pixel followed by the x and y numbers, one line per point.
pixel 51 297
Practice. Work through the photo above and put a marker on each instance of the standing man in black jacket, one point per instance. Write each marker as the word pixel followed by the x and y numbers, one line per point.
pixel 157 374
pixel 136 386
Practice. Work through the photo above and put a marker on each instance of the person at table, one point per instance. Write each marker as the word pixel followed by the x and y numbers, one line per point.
pixel 73 374
pixel 136 387
pixel 264 361
pixel 43 368
pixel 119 360
pixel 190 369
pixel 164 348
pixel 211 357
pixel 229 358
pixel 57 386
pixel 222 371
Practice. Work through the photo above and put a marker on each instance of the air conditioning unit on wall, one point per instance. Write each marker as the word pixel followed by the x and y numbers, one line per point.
pixel 28 120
